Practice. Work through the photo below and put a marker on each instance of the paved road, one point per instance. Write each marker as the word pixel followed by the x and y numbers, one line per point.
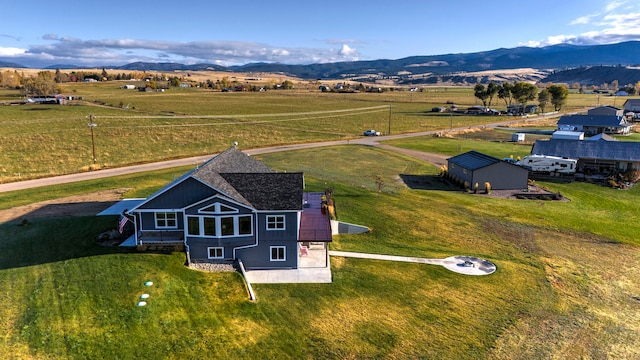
pixel 437 159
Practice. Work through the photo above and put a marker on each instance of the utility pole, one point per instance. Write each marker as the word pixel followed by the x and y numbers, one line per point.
pixel 389 132
pixel 91 125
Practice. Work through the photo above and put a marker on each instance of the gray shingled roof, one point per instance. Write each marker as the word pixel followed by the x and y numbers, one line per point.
pixel 251 182
pixel 269 191
pixel 473 160
pixel 247 181
pixel 593 120
pixel 576 149
pixel 232 160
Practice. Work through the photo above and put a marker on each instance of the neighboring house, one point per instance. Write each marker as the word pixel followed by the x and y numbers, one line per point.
pixel 567 135
pixel 474 167
pixel 229 208
pixel 606 110
pixel 595 124
pixel 598 156
pixel 517 109
pixel 632 105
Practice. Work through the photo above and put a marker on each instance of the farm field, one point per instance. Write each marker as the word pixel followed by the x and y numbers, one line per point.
pixel 565 287
pixel 138 127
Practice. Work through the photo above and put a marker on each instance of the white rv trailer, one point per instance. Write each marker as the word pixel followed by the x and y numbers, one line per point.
pixel 549 164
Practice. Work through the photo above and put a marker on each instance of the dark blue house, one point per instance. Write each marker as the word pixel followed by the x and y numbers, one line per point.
pixel 598 120
pixel 596 156
pixel 231 207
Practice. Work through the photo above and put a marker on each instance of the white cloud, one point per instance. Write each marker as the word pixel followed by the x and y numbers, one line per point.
pixel 613 5
pixel 106 52
pixel 348 52
pixel 11 51
pixel 618 21
pixel 581 20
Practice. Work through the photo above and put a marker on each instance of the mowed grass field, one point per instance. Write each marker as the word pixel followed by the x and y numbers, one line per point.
pixel 566 285
pixel 47 140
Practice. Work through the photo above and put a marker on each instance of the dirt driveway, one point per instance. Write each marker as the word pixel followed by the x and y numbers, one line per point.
pixel 433 158
pixel 76 205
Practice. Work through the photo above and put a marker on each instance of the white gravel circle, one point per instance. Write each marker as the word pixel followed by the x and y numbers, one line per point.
pixel 469 265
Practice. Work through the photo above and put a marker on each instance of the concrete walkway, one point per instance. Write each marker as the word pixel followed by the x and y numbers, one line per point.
pixel 467 265
pixel 290 276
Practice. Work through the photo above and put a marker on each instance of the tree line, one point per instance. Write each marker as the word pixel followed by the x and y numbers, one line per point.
pixel 522 93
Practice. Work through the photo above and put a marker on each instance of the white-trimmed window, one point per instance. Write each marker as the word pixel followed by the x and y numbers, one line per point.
pixel 218 208
pixel 245 225
pixel 193 226
pixel 209 226
pixel 215 252
pixel 275 222
pixel 226 226
pixel 166 220
pixel 220 226
pixel 278 253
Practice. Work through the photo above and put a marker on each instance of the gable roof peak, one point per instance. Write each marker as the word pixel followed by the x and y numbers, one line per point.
pixel 233 160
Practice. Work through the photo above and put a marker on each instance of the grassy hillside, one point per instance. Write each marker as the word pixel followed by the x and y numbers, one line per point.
pixel 565 286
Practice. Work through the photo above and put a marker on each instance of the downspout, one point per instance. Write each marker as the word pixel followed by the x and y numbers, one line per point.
pixel 135 228
pixel 255 213
pixel 185 231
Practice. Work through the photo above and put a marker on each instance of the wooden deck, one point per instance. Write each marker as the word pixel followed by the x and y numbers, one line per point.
pixel 314 225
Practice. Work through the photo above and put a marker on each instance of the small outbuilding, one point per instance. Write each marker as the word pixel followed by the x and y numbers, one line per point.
pixel 567 135
pixel 517 137
pixel 476 168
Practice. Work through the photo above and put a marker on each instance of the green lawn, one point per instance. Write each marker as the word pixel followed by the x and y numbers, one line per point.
pixel 564 288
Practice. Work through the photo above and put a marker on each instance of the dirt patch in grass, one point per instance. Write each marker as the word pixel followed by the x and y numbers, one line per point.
pixel 76 205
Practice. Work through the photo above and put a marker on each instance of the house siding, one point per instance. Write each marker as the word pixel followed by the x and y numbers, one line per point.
pixel 460 173
pixel 148 222
pixel 181 195
pixel 259 257
pixel 290 223
pixel 198 246
pixel 501 176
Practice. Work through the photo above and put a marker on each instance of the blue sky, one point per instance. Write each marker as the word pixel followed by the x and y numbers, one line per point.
pixel 42 33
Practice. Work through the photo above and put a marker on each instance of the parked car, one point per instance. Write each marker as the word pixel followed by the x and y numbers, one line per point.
pixel 371 133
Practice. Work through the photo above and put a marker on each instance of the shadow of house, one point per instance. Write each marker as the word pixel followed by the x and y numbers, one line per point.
pixel 427 182
pixel 47 240
pixel 58 210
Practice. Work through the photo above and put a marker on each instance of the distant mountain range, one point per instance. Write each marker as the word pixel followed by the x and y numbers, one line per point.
pixel 587 65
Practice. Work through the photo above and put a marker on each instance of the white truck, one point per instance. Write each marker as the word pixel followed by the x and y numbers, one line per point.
pixel 548 164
